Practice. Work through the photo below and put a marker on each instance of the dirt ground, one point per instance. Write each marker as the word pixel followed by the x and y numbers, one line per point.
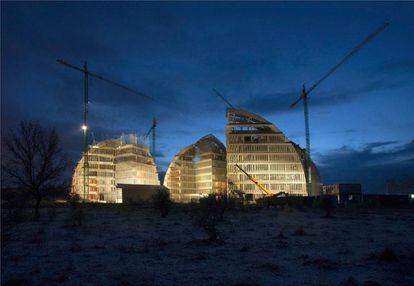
pixel 132 246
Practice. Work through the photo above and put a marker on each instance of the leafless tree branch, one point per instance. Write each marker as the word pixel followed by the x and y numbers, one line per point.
pixel 34 160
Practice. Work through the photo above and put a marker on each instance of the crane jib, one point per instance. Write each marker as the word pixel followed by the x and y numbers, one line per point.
pixel 343 60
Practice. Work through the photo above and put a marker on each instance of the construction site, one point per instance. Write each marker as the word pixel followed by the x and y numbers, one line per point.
pixel 258 160
pixel 125 160
pixel 207 143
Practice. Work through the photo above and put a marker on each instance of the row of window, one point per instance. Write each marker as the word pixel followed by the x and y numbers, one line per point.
pixel 273 177
pixel 203 171
pixel 255 138
pixel 136 167
pixel 141 181
pixel 132 150
pixel 97 166
pixel 262 158
pixel 186 185
pixel 285 167
pixel 242 148
pixel 204 185
pixel 101 174
pixel 203 177
pixel 96 158
pixel 102 151
pixel 264 167
pixel 135 174
pixel 132 158
pixel 273 187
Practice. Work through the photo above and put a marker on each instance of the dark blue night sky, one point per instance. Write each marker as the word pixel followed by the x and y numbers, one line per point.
pixel 256 54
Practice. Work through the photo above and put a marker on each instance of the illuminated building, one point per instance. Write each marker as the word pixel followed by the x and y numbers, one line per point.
pixel 198 170
pixel 115 161
pixel 264 152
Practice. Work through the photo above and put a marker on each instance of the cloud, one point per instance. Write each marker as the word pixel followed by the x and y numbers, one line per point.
pixel 367 165
pixel 269 103
pixel 373 145
pixel 392 66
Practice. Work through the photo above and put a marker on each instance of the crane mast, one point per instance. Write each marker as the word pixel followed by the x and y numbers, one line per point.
pixel 85 126
pixel 85 135
pixel 152 129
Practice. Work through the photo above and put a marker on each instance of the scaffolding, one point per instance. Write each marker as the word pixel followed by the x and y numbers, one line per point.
pixel 198 170
pixel 261 149
pixel 125 160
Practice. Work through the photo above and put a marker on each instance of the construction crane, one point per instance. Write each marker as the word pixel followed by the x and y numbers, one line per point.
pixel 152 129
pixel 266 192
pixel 223 98
pixel 235 191
pixel 305 93
pixel 85 126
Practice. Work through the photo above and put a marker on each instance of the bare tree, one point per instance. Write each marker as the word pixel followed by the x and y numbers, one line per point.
pixel 33 161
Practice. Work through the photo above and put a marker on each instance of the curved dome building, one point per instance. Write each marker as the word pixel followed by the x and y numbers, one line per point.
pixel 112 162
pixel 198 170
pixel 263 151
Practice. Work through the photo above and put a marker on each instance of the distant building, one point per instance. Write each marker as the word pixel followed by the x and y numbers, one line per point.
pixel 198 170
pixel 345 193
pixel 263 151
pixel 132 194
pixel 116 161
pixel 404 186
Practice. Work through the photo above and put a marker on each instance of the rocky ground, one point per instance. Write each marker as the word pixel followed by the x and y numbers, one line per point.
pixel 134 246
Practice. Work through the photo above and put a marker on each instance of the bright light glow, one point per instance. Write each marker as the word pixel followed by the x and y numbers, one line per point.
pixel 412 196
pixel 84 127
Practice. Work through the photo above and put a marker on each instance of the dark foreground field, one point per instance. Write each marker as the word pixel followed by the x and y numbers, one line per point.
pixel 124 246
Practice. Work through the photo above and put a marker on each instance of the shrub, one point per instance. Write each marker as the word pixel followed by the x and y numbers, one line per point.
pixel 388 255
pixel 385 255
pixel 76 209
pixel 209 212
pixel 271 267
pixel 299 231
pixel 328 203
pixel 351 281
pixel 161 200
pixel 280 235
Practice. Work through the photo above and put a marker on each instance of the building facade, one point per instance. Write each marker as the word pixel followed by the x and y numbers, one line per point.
pixel 264 152
pixel 116 161
pixel 345 193
pixel 198 170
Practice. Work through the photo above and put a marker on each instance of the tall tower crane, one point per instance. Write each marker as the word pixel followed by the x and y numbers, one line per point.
pixel 85 126
pixel 306 92
pixel 152 129
pixel 222 97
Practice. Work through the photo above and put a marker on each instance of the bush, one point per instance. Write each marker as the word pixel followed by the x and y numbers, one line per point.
pixel 161 200
pixel 299 231
pixel 328 203
pixel 209 212
pixel 76 209
pixel 386 255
